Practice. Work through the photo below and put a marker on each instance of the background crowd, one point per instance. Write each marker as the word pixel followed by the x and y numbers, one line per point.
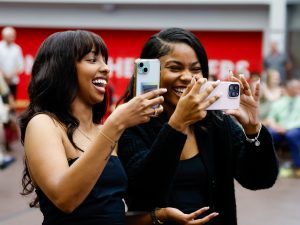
pixel 11 66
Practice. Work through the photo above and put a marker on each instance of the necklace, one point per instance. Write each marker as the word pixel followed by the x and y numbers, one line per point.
pixel 86 136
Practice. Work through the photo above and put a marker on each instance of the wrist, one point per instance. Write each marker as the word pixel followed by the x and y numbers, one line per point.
pixel 179 126
pixel 255 139
pixel 116 123
pixel 114 128
pixel 158 216
pixel 252 129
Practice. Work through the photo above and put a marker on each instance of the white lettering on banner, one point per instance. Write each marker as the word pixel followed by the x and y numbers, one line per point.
pixel 28 63
pixel 128 67
pixel 242 67
pixel 225 66
pixel 121 67
pixel 213 66
pixel 221 67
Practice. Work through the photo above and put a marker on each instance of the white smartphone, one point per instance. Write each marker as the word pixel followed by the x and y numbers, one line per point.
pixel 146 75
pixel 230 95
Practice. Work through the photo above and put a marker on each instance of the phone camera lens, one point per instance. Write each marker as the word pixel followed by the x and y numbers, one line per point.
pixel 145 70
pixel 141 64
pixel 234 90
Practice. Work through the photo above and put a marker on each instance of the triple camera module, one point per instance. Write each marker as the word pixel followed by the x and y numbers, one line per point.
pixel 233 90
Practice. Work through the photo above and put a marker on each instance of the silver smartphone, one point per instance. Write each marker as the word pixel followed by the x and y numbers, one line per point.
pixel 146 75
pixel 230 95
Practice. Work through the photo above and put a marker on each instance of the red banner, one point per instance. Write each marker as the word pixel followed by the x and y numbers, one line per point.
pixel 238 51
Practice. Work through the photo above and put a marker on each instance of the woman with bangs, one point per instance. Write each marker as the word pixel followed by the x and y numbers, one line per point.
pixel 69 154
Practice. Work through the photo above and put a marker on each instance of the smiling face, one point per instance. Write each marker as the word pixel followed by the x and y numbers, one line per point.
pixel 92 73
pixel 177 69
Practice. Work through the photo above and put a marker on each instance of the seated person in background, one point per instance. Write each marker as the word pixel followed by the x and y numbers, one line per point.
pixel 271 90
pixel 283 121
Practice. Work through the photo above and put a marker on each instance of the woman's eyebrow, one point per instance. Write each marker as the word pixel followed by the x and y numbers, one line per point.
pixel 196 63
pixel 173 61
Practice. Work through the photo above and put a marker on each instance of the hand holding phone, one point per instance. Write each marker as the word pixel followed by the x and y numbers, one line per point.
pixel 229 93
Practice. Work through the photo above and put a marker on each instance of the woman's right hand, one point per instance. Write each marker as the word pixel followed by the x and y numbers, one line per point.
pixel 192 105
pixel 139 109
pixel 175 215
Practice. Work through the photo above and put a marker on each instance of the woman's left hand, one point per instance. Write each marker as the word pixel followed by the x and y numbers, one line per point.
pixel 247 113
pixel 177 216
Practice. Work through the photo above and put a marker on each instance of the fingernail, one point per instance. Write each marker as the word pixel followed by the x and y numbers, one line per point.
pixel 164 89
pixel 193 80
pixel 206 208
pixel 217 81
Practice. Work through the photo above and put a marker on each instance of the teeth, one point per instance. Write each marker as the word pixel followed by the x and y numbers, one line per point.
pixel 100 81
pixel 180 90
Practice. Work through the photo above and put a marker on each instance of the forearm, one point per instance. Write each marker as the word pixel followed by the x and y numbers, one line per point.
pixel 84 173
pixel 146 163
pixel 164 153
pixel 66 186
pixel 138 219
pixel 257 165
pixel 156 216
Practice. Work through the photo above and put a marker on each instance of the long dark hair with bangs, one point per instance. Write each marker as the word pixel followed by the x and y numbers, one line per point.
pixel 54 84
pixel 160 44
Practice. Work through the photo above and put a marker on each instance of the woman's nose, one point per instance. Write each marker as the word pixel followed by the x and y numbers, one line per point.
pixel 186 76
pixel 104 69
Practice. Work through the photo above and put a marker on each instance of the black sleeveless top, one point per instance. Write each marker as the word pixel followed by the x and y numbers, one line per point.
pixel 103 205
pixel 189 189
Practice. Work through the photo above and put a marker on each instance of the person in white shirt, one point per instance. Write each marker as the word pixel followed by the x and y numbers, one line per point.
pixel 11 58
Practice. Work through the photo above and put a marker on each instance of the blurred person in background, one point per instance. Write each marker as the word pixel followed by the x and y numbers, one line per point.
pixel 11 59
pixel 279 61
pixel 271 90
pixel 11 66
pixel 188 157
pixel 283 121
pixel 70 159
pixel 6 103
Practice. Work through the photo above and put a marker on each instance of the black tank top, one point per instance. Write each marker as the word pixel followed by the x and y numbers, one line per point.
pixel 189 189
pixel 103 205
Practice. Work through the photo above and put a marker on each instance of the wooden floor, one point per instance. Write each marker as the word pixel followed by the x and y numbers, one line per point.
pixel 279 205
